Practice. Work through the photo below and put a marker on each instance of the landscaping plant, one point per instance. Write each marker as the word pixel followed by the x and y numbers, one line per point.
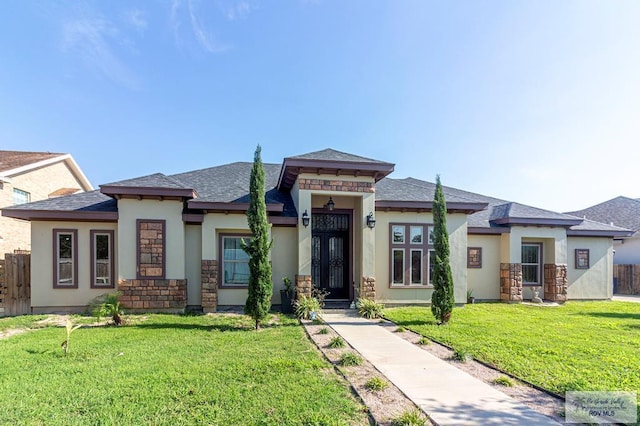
pixel 108 305
pixel 369 308
pixel 442 299
pixel 258 301
pixel 349 359
pixel 305 305
pixel 410 418
pixel 376 384
pixel 70 329
pixel 336 342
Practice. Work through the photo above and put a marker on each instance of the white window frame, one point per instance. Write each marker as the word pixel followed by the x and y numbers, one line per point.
pixel 95 282
pixel 58 261
pixel 223 261
pixel 538 264
pixel 20 196
pixel 408 247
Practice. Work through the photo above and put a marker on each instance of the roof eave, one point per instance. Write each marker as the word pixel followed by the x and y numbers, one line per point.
pixel 482 230
pixel 452 207
pixel 116 191
pixel 597 233
pixel 536 221
pixel 61 215
pixel 215 206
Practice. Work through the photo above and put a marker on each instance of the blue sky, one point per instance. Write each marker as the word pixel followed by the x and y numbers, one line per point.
pixel 531 101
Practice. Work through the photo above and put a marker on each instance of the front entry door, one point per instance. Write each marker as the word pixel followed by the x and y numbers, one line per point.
pixel 330 254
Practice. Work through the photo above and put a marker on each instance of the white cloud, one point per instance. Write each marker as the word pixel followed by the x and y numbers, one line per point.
pixel 239 10
pixel 91 39
pixel 205 39
pixel 137 19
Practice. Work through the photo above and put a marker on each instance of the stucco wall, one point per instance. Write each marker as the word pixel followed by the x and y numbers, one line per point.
pixel 485 281
pixel 128 212
pixel 43 295
pixel 597 281
pixel 554 239
pixel 39 183
pixel 193 256
pixel 627 251
pixel 457 228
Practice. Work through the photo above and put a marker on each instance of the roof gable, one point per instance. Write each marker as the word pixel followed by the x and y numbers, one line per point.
pixel 11 160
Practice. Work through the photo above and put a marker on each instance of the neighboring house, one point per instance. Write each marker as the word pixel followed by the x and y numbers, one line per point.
pixel 619 211
pixel 32 176
pixel 338 223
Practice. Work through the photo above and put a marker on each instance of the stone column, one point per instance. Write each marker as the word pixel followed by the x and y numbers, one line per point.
pixel 511 282
pixel 555 282
pixel 368 288
pixel 209 280
pixel 303 285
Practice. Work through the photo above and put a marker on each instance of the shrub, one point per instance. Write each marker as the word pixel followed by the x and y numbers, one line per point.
pixel 350 359
pixel 108 305
pixel 323 330
pixel 368 308
pixel 504 381
pixel 305 305
pixel 70 328
pixel 376 384
pixel 410 418
pixel 336 342
pixel 400 329
pixel 424 341
pixel 461 355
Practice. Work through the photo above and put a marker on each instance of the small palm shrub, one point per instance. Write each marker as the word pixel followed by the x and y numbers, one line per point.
pixel 305 305
pixel 424 341
pixel 349 359
pixel 323 330
pixel 461 355
pixel 504 381
pixel 108 306
pixel 400 329
pixel 376 384
pixel 368 308
pixel 70 329
pixel 336 342
pixel 410 418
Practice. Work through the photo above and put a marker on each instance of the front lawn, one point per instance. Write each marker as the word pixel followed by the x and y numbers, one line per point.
pixel 172 370
pixel 576 346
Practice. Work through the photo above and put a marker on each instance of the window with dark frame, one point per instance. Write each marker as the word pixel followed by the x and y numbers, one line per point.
pixel 474 257
pixel 65 258
pixel 582 258
pixel 234 267
pixel 410 258
pixel 531 264
pixel 102 264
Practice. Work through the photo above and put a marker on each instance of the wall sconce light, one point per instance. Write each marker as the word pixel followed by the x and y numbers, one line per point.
pixel 371 221
pixel 305 219
pixel 330 204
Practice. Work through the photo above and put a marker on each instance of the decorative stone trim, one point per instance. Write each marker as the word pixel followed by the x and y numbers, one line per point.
pixel 151 244
pixel 368 288
pixel 511 282
pixel 555 282
pixel 154 295
pixel 335 185
pixel 209 279
pixel 303 285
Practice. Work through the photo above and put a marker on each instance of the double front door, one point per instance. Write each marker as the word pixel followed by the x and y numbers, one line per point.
pixel 330 269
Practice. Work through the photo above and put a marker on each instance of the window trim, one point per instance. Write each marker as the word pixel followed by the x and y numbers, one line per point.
pixel 540 264
pixel 408 247
pixel 74 257
pixel 112 269
pixel 20 192
pixel 164 249
pixel 474 264
pixel 221 281
pixel 577 254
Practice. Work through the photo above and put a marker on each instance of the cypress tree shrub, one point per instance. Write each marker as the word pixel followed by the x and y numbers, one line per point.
pixel 442 299
pixel 258 302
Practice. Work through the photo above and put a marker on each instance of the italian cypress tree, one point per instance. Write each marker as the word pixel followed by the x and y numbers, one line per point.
pixel 442 299
pixel 260 286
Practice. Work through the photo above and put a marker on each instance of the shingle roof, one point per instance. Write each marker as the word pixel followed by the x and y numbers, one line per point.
pixel 10 160
pixel 83 201
pixel 620 211
pixel 333 155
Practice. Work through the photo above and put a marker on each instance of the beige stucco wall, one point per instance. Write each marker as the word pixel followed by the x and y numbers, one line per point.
pixel 457 228
pixel 597 281
pixel 193 256
pixel 39 183
pixel 554 243
pixel 627 251
pixel 485 281
pixel 129 210
pixel 43 295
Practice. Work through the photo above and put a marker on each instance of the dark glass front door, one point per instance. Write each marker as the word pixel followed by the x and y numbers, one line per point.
pixel 330 254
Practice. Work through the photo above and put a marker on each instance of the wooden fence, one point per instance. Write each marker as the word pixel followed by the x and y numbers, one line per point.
pixel 626 279
pixel 15 284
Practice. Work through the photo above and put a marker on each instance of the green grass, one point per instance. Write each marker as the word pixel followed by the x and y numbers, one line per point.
pixel 26 321
pixel 172 370
pixel 576 346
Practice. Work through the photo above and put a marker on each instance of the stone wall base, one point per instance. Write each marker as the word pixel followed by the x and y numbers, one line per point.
pixel 153 295
pixel 303 286
pixel 209 290
pixel 368 288
pixel 511 282
pixel 555 282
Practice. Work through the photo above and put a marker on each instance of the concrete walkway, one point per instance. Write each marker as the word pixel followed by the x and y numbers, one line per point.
pixel 626 298
pixel 448 395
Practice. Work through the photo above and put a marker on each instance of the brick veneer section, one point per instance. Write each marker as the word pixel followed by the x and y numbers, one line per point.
pixel 167 295
pixel 555 282
pixel 368 288
pixel 303 285
pixel 511 282
pixel 209 280
pixel 336 185
pixel 151 239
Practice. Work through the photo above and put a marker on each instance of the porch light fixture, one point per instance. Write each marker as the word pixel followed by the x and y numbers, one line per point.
pixel 330 204
pixel 305 219
pixel 371 221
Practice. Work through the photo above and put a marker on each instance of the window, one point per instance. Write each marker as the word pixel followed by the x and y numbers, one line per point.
pixel 235 262
pixel 65 258
pixel 531 264
pixel 20 196
pixel 474 257
pixel 410 254
pixel 102 266
pixel 582 258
